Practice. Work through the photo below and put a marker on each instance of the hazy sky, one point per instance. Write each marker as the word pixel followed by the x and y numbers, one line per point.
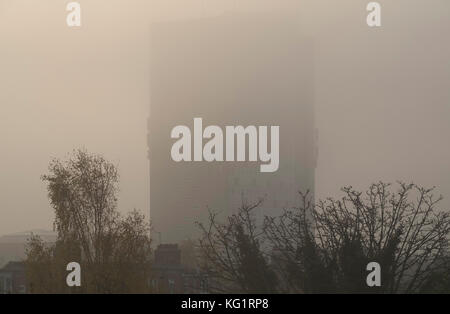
pixel 382 96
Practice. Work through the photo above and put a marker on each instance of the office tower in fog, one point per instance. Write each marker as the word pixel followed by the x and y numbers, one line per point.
pixel 235 69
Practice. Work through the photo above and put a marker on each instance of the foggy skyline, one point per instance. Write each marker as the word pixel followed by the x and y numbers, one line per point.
pixel 381 95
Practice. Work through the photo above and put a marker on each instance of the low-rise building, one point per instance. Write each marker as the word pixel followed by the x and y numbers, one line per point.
pixel 13 278
pixel 170 276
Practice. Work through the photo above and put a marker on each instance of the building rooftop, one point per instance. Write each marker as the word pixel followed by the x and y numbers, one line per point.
pixel 22 237
pixel 13 267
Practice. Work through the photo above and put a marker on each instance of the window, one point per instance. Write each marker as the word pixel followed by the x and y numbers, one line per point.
pixel 171 286
pixel 2 285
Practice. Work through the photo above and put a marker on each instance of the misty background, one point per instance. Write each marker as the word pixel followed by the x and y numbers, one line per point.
pixel 382 96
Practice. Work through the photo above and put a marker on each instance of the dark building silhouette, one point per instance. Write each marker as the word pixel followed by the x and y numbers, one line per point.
pixel 169 275
pixel 13 278
pixel 235 69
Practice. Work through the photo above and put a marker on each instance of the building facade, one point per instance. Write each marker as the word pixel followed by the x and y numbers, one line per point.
pixel 13 278
pixel 234 69
pixel 170 276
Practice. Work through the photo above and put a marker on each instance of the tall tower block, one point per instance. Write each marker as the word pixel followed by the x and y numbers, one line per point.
pixel 234 69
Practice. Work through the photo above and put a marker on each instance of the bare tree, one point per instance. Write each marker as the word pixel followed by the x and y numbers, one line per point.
pixel 296 257
pixel 325 247
pixel 232 255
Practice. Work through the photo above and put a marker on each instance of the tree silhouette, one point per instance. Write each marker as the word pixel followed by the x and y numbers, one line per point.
pixel 326 246
pixel 232 255
pixel 114 251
